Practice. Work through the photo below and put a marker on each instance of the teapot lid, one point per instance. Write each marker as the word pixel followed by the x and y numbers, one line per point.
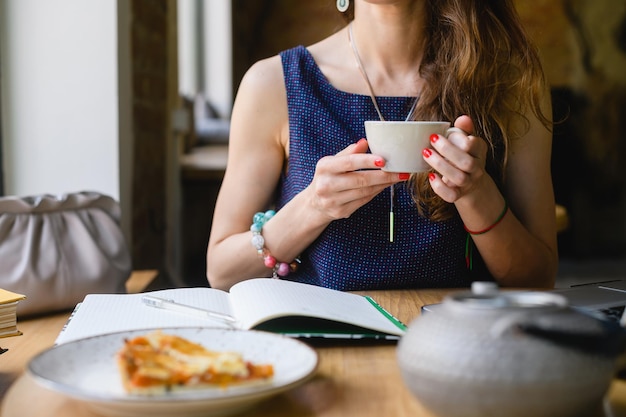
pixel 486 295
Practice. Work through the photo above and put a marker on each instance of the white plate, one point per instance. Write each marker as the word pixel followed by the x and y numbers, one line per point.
pixel 86 371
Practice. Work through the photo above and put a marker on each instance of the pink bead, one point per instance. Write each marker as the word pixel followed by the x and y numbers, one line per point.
pixel 283 269
pixel 269 261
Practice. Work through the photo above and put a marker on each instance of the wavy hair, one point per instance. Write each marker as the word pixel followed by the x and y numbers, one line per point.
pixel 479 61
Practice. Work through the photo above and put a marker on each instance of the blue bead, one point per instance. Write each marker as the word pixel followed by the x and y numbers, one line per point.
pixel 269 214
pixel 259 218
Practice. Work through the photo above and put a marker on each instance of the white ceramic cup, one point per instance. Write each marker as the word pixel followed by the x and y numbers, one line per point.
pixel 401 142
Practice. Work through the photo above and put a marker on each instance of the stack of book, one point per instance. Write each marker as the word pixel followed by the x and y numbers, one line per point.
pixel 8 313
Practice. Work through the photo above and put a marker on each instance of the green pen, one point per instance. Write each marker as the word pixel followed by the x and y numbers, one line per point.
pixel 391 215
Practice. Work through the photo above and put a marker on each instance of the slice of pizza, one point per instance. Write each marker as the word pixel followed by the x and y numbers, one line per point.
pixel 158 362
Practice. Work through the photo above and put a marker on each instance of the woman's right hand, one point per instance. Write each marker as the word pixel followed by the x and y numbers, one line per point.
pixel 346 181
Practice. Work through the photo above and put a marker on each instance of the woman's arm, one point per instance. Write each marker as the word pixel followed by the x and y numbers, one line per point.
pixel 521 250
pixel 255 159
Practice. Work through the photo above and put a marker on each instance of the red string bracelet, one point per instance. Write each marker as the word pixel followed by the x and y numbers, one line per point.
pixel 468 243
pixel 498 220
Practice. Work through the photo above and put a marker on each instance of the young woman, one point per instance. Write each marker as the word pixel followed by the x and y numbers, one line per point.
pixel 484 212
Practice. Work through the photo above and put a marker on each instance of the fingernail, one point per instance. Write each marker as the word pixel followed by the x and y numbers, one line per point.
pixel 404 176
pixel 379 162
pixel 431 176
pixel 434 138
pixel 427 152
pixel 361 140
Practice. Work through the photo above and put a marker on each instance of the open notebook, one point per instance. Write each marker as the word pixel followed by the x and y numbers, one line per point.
pixel 291 308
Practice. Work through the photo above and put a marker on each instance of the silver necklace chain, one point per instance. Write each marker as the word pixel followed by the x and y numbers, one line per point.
pixel 380 115
pixel 359 64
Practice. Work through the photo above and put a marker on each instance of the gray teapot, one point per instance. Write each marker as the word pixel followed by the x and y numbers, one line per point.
pixel 498 353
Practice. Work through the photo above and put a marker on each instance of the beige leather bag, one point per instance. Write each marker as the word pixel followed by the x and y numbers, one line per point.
pixel 57 249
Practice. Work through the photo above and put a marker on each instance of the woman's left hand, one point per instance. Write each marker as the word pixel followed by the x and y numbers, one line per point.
pixel 459 161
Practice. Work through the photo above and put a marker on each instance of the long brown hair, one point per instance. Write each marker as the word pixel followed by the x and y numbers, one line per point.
pixel 478 61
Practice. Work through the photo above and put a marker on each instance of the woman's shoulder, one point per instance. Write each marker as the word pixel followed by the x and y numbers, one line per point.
pixel 261 93
pixel 268 74
pixel 264 73
pixel 273 65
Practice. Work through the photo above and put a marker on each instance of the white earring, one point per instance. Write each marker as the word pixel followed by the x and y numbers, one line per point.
pixel 342 5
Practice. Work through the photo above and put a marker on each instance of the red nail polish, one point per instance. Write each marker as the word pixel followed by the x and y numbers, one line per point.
pixel 427 152
pixel 379 162
pixel 404 176
pixel 434 138
pixel 431 176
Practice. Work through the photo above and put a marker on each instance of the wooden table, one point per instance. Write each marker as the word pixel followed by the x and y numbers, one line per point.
pixel 351 380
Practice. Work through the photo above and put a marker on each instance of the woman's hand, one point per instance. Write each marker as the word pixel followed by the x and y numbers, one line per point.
pixel 348 180
pixel 459 161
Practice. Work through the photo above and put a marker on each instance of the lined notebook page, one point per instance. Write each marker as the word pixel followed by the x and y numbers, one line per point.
pixel 260 299
pixel 107 313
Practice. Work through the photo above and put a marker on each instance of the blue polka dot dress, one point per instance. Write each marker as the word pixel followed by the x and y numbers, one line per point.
pixel 355 253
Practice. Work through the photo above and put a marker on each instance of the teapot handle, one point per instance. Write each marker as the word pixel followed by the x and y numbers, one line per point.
pixel 606 338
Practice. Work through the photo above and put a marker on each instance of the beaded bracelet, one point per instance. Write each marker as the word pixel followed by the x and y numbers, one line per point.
pixel 468 240
pixel 279 269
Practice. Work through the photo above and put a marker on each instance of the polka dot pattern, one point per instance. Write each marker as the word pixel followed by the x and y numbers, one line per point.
pixel 355 253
